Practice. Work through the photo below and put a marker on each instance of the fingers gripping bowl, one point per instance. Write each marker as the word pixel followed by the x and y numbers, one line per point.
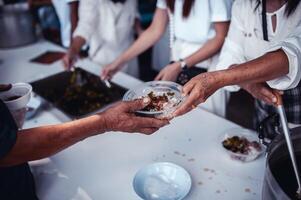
pixel 165 97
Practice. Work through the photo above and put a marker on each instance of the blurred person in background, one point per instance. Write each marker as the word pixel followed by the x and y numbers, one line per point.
pixel 108 26
pixel 67 12
pixel 46 20
pixel 197 33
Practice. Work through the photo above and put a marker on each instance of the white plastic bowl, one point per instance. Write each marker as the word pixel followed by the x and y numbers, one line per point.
pixel 162 181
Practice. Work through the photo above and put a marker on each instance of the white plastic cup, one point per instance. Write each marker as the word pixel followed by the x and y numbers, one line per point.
pixel 18 106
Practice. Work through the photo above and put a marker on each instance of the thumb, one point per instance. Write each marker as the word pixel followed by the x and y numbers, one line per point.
pixel 138 104
pixel 158 77
pixel 278 98
pixel 5 87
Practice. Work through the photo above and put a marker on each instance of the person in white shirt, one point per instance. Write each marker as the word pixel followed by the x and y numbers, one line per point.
pixel 67 13
pixel 197 32
pixel 262 53
pixel 108 27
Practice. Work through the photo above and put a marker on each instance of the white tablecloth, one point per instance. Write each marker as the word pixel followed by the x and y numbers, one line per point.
pixel 103 167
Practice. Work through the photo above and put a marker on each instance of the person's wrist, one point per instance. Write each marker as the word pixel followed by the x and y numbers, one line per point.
pixel 219 78
pixel 183 64
pixel 72 52
pixel 118 62
pixel 103 124
pixel 177 66
pixel 123 58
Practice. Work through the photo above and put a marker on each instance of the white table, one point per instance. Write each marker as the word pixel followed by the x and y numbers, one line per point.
pixel 103 167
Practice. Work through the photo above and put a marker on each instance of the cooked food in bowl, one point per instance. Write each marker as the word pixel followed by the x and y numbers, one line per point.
pixel 158 102
pixel 165 98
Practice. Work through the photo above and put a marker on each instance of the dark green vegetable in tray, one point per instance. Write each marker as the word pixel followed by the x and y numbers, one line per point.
pixel 158 101
pixel 77 93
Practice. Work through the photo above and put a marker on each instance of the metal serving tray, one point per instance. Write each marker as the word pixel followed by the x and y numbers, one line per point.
pixel 77 99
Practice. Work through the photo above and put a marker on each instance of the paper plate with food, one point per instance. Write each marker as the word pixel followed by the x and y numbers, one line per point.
pixel 165 97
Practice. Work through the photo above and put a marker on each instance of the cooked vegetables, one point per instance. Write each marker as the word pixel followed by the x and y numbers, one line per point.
pixel 240 145
pixel 77 93
pixel 158 101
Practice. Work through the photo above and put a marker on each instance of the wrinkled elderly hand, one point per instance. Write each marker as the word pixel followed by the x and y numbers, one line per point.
pixel 197 90
pixel 262 92
pixel 122 118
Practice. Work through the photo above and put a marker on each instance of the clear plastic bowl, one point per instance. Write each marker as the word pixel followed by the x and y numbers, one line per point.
pixel 249 135
pixel 158 88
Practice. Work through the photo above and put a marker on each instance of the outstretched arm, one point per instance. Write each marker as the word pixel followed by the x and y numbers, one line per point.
pixel 37 143
pixel 267 67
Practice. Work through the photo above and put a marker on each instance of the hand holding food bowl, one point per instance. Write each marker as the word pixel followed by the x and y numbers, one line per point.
pixel 165 97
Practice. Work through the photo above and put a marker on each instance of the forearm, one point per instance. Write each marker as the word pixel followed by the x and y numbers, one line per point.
pixel 265 68
pixel 210 48
pixel 77 43
pixel 38 143
pixel 73 15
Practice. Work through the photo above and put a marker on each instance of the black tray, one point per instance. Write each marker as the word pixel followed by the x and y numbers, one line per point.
pixel 77 98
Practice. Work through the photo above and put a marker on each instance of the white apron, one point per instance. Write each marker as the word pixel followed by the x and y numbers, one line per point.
pixel 115 34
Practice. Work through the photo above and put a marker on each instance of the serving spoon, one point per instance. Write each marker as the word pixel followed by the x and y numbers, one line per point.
pixel 286 131
pixel 107 83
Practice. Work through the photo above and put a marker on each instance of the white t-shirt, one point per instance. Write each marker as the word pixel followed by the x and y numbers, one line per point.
pixel 198 27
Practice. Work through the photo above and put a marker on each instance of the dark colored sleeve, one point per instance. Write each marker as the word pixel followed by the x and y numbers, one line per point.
pixel 8 131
